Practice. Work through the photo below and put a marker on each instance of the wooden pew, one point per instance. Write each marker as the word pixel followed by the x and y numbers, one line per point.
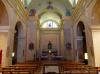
pixel 16 72
pixel 20 68
pixel 79 70
pixel 27 68
pixel 76 68
pixel 24 65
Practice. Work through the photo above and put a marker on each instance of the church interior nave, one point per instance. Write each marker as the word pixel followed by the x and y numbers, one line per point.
pixel 39 36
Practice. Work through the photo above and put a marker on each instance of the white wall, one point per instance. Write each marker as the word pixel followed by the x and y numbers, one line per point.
pixel 3 46
pixel 96 46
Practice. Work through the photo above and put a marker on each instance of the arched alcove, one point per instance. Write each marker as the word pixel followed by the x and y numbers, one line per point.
pixel 18 46
pixel 81 43
pixel 3 15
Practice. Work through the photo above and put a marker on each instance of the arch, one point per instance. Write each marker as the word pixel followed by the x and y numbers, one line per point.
pixel 18 46
pixel 96 13
pixel 48 17
pixel 53 11
pixel 81 43
pixel 3 15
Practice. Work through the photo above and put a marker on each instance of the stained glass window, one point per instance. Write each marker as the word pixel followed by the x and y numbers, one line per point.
pixel 49 24
pixel 73 2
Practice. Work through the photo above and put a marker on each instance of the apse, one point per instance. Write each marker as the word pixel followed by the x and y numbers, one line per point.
pixel 50 20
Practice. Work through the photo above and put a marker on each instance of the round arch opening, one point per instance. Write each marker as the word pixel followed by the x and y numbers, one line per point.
pixel 50 20
pixel 81 43
pixel 18 45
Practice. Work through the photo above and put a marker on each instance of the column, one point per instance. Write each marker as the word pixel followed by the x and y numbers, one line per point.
pixel 38 44
pixel 62 42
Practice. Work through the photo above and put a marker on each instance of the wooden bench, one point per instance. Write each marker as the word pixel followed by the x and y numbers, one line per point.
pixel 37 65
pixel 79 70
pixel 16 72
pixel 29 68
pixel 76 68
pixel 19 68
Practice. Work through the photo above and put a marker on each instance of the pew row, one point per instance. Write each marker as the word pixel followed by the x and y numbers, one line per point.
pixel 16 72
pixel 22 68
pixel 76 68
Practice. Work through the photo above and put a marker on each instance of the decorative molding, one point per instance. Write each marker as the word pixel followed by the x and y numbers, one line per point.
pixel 95 27
pixel 4 28
pixel 79 8
pixel 19 9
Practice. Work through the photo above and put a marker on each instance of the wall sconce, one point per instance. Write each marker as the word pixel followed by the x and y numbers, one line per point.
pixel 13 54
pixel 86 55
pixel 49 51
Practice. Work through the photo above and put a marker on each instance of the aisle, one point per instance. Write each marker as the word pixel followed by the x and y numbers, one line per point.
pixel 50 67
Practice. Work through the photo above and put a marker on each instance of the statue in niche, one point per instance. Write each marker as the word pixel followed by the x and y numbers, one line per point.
pixel 68 45
pixel 49 45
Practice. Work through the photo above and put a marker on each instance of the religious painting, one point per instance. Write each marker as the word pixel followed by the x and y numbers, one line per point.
pixel 31 46
pixel 68 45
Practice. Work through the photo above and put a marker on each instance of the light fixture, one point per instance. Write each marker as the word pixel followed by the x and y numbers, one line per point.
pixel 13 54
pixel 86 55
pixel 49 5
pixel 49 51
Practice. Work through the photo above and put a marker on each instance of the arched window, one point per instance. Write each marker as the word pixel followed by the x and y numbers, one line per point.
pixel 50 20
pixel 73 2
pixel 26 2
pixel 22 1
pixel 49 24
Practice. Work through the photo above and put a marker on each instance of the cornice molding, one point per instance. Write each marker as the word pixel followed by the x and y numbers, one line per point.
pixel 19 9
pixel 95 27
pixel 4 28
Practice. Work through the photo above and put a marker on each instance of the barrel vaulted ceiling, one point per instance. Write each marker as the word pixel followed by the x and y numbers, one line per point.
pixel 64 7
pixel 51 10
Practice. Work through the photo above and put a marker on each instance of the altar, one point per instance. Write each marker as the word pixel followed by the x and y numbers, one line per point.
pixel 50 55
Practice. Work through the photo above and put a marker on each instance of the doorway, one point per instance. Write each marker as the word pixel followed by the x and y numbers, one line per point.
pixel 18 46
pixel 81 43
